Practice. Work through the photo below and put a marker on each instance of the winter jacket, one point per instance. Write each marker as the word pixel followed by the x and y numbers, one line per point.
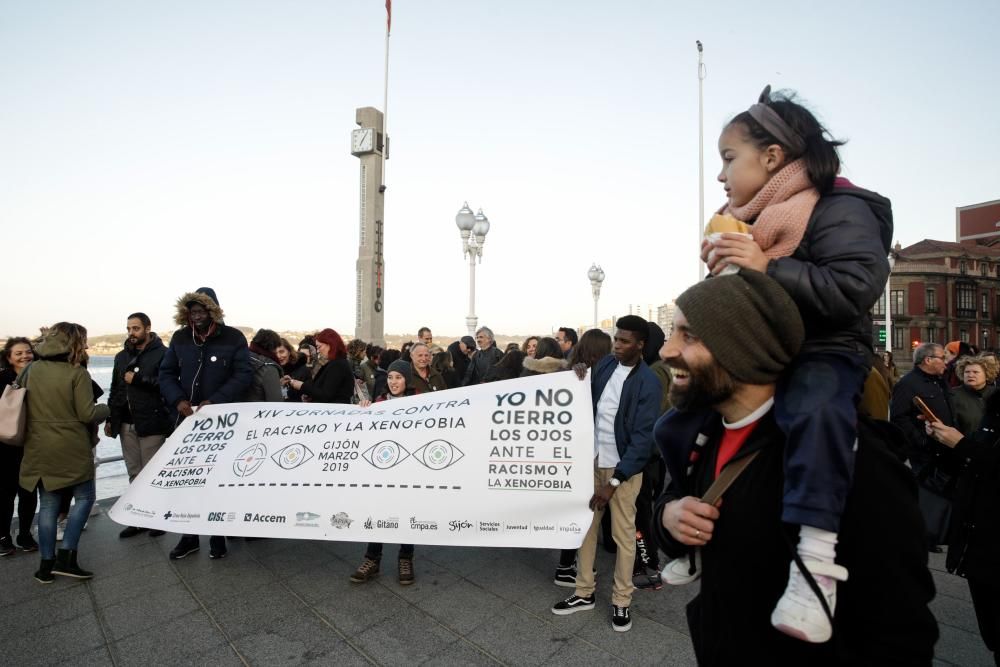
pixel 840 268
pixel 903 413
pixel 139 403
pixel 434 382
pixel 61 412
pixel 216 370
pixel 638 409
pixel 542 366
pixel 882 615
pixel 266 383
pixel 974 543
pixel 968 406
pixel 333 384
pixel 480 365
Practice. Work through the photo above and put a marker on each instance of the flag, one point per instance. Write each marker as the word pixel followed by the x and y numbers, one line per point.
pixel 388 15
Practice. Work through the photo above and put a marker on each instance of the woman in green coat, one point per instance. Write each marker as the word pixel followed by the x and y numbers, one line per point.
pixel 58 452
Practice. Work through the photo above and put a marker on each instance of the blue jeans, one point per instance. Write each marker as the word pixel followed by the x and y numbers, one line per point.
pixel 84 493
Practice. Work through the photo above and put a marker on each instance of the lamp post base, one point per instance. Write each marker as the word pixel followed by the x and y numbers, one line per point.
pixel 471 321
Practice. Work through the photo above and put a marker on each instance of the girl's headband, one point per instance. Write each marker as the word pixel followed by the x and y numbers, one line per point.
pixel 775 124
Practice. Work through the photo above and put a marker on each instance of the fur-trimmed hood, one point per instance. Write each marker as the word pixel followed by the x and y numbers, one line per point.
pixel 545 364
pixel 206 297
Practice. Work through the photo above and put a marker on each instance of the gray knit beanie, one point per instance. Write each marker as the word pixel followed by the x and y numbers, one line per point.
pixel 404 369
pixel 747 321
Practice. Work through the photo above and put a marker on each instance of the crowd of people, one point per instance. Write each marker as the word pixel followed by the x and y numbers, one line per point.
pixel 763 448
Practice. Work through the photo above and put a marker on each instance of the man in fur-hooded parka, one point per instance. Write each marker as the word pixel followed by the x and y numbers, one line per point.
pixel 206 362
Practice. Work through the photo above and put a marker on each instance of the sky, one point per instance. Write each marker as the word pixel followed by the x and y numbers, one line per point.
pixel 150 148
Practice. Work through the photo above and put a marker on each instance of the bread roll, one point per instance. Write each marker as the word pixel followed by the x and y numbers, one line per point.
pixel 720 224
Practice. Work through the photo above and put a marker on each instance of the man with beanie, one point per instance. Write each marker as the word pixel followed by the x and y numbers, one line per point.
pixel 207 362
pixel 722 511
pixel 626 398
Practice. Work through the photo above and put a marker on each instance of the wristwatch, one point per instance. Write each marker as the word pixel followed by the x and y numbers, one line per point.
pixel 614 482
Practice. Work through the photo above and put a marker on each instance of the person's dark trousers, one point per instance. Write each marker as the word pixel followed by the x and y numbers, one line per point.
pixel 986 601
pixel 374 551
pixel 816 408
pixel 27 501
pixel 215 542
pixel 567 557
pixel 648 553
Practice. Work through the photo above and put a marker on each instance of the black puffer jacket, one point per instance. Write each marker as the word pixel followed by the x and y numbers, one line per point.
pixel 921 449
pixel 480 364
pixel 839 270
pixel 139 403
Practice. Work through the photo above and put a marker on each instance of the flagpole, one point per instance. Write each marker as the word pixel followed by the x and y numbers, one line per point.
pixel 701 159
pixel 385 92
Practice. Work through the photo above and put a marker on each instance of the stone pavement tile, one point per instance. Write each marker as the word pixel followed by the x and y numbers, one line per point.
pixel 362 606
pixel 648 642
pixel 54 644
pixel 152 610
pixel 17 574
pixel 581 654
pixel 301 557
pixel 226 579
pixel 954 612
pixel 97 657
pixel 462 606
pixel 330 581
pixel 959 647
pixel 116 561
pixel 171 643
pixel 461 560
pixel 405 638
pixel 952 586
pixel 429 576
pixel 255 610
pixel 518 638
pixel 126 584
pixel 54 606
pixel 295 640
pixel 513 581
pixel 220 656
pixel 460 654
pixel 667 606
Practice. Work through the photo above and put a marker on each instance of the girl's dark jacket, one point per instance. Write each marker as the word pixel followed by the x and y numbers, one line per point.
pixel 882 615
pixel 139 403
pixel 840 268
pixel 974 544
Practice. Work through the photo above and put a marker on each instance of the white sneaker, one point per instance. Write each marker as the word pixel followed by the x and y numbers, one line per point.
pixel 799 612
pixel 678 571
pixel 60 530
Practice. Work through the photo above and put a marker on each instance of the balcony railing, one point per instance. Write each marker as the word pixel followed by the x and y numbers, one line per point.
pixel 931 310
pixel 961 312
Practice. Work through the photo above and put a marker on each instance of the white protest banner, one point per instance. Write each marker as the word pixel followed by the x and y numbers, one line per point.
pixel 501 464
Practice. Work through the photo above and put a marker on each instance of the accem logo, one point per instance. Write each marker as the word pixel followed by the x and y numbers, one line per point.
pixel 251 517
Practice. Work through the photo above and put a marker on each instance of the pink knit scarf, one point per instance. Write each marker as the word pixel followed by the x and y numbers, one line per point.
pixel 780 210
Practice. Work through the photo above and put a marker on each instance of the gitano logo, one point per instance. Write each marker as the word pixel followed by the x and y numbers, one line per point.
pixel 292 456
pixel 250 460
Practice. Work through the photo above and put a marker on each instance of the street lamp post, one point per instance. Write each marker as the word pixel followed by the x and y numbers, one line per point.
pixel 473 229
pixel 596 275
pixel 888 303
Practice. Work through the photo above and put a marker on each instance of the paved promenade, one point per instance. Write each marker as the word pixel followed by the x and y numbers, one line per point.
pixel 289 602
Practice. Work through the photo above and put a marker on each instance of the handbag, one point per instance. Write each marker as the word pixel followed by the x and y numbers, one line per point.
pixel 14 412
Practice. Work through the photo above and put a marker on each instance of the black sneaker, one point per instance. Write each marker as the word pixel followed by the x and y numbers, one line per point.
pixel 573 604
pixel 27 542
pixel 621 621
pixel 6 546
pixel 184 549
pixel 130 531
pixel 565 576
pixel 647 579
pixel 217 554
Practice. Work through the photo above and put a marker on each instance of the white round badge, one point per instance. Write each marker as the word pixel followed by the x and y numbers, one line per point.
pixel 214 357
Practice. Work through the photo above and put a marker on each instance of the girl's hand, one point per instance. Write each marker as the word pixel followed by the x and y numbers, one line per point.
pixel 706 247
pixel 946 435
pixel 740 251
pixel 364 403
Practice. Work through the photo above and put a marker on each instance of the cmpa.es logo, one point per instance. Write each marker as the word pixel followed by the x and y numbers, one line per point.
pixel 341 520
pixel 459 526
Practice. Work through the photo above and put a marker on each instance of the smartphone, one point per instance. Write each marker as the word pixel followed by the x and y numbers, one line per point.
pixel 928 415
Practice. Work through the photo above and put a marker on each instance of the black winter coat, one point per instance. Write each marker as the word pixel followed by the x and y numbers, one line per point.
pixel 921 449
pixel 882 615
pixel 839 270
pixel 480 364
pixel 974 544
pixel 217 370
pixel 334 383
pixel 139 403
pixel 266 383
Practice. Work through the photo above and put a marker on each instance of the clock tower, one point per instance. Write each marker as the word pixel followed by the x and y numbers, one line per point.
pixel 368 144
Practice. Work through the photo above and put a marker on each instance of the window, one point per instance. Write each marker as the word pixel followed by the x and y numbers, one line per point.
pixel 986 304
pixel 963 335
pixel 984 268
pixel 965 300
pixel 963 267
pixel 930 300
pixel 897 338
pixel 879 309
pixel 986 339
pixel 896 301
pixel 930 335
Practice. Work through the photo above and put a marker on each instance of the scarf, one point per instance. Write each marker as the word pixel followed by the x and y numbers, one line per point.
pixel 780 210
pixel 197 336
pixel 257 349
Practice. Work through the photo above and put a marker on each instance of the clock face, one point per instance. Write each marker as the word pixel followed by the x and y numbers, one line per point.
pixel 362 140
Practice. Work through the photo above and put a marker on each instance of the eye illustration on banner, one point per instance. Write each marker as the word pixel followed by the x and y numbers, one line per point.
pixel 292 456
pixel 438 454
pixel 250 460
pixel 384 455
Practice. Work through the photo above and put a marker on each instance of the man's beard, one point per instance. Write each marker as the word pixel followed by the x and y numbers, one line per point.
pixel 707 386
pixel 134 340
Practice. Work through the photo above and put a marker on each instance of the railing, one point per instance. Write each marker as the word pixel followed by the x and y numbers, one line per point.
pixel 961 312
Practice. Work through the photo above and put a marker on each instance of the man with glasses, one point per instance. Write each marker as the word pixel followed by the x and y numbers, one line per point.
pixel 566 337
pixel 926 381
